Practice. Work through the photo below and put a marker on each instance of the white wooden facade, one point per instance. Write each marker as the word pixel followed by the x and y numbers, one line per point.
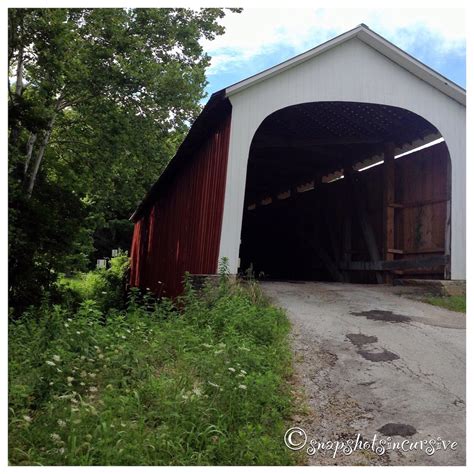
pixel 358 66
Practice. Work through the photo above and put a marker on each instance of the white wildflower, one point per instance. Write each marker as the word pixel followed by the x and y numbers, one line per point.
pixel 51 383
pixel 66 325
pixel 78 332
pixel 27 418
pixel 70 379
pixel 61 423
pixel 50 362
pixel 243 387
pixel 101 356
pixel 207 346
pixel 91 374
pixel 93 389
pixel 55 437
pixel 56 358
pixel 197 391
pixel 231 369
pixel 243 372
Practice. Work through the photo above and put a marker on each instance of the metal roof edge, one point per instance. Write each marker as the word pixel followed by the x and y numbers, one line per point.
pixel 377 42
pixel 412 65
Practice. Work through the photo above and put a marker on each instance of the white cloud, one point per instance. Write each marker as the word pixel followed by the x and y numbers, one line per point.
pixel 259 31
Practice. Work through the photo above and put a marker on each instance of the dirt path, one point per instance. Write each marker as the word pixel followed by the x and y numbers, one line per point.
pixel 375 363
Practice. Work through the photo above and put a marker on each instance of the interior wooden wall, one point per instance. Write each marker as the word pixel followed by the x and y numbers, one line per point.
pixel 303 237
pixel 422 188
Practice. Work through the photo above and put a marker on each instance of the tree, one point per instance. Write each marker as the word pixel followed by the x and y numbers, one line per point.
pixel 99 99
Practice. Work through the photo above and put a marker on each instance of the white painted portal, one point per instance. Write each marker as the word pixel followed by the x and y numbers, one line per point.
pixel 355 72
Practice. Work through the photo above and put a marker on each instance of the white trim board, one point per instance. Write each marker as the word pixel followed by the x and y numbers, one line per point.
pixel 377 42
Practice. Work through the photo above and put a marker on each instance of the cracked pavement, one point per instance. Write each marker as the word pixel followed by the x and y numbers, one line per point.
pixel 367 356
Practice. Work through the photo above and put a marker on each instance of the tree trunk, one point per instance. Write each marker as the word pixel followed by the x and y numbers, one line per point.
pixel 29 151
pixel 19 73
pixel 39 158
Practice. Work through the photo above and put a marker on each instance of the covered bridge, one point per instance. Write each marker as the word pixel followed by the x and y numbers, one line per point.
pixel 313 170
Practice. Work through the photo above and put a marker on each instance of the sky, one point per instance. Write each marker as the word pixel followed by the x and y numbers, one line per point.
pixel 259 38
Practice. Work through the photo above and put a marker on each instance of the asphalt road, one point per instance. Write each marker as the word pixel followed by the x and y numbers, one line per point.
pixel 374 363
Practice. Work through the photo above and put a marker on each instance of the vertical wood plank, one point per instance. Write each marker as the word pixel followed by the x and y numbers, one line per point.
pixel 388 198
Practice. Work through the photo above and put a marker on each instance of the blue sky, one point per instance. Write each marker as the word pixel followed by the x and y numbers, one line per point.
pixel 260 38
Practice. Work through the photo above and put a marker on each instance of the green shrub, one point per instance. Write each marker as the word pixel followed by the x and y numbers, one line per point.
pixel 104 286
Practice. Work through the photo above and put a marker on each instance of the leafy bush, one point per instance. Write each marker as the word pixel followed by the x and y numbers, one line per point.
pixel 152 384
pixel 106 287
pixel 41 231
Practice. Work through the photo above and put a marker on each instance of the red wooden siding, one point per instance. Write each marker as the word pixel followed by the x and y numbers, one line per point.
pixel 181 231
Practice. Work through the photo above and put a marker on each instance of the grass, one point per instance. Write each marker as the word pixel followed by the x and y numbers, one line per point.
pixel 202 382
pixel 453 303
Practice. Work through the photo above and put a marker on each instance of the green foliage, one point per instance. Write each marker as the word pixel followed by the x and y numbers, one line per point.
pixel 40 235
pixel 453 303
pixel 106 287
pixel 151 385
pixel 108 94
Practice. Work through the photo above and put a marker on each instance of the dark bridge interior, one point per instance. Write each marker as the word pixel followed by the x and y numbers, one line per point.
pixel 313 212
